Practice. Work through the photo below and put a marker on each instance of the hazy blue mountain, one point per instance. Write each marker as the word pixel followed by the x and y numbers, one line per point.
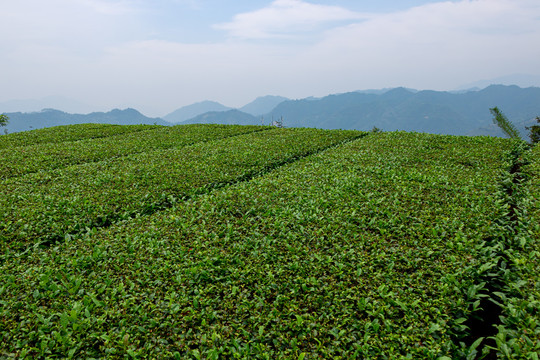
pixel 439 112
pixel 262 105
pixel 50 117
pixel 50 102
pixel 224 117
pixel 402 109
pixel 521 80
pixel 381 91
pixel 193 110
pixel 463 91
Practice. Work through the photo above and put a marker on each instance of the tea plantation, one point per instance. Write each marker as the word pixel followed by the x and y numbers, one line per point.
pixel 250 242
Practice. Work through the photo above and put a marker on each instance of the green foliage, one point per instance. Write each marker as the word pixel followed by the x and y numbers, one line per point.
pixel 61 134
pixel 276 244
pixel 534 132
pixel 47 205
pixel 3 120
pixel 513 259
pixel 24 159
pixel 518 336
pixel 504 124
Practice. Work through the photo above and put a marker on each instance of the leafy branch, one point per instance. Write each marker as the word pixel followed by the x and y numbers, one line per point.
pixel 534 131
pixel 3 120
pixel 504 124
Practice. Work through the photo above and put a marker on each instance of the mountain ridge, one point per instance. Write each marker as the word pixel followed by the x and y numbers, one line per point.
pixel 229 117
pixel 423 111
pixel 19 121
pixel 190 111
pixel 262 105
pixel 439 112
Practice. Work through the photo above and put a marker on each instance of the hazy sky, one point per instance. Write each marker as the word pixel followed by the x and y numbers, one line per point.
pixel 158 55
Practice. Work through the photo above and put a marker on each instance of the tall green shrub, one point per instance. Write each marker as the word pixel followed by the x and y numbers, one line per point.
pixel 504 124
pixel 534 132
pixel 3 120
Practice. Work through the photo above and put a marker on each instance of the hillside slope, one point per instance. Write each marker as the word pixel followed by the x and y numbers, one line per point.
pixel 261 242
pixel 229 117
pixel 50 118
pixel 423 111
pixel 190 111
pixel 262 105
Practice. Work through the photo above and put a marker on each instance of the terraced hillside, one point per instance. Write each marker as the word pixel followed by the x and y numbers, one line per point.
pixel 209 242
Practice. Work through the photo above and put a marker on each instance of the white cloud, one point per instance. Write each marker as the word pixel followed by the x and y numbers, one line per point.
pixel 80 27
pixel 440 45
pixel 61 17
pixel 285 18
pixel 169 74
pixel 104 60
pixel 109 7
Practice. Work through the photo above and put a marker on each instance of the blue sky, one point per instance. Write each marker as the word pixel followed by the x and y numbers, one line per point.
pixel 158 55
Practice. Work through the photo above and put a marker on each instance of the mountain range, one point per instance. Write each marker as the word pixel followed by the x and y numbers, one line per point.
pixel 463 112
pixel 257 107
pixel 19 121
pixel 423 111
pixel 439 112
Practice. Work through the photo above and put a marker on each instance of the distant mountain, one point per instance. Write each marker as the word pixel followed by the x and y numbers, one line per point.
pixel 463 91
pixel 229 117
pixel 381 91
pixel 401 109
pixel 193 110
pixel 438 112
pixel 521 80
pixel 262 105
pixel 50 117
pixel 50 102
